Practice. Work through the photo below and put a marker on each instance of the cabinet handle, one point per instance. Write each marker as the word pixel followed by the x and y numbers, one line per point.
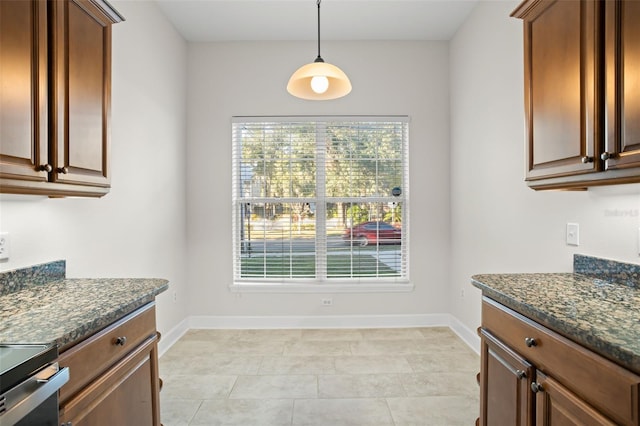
pixel 607 156
pixel 521 374
pixel 120 341
pixel 45 168
pixel 63 170
pixel 530 342
pixel 536 387
pixel 586 159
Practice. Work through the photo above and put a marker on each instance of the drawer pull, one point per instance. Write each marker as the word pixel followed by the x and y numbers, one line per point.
pixel 530 342
pixel 120 341
pixel 521 374
pixel 536 387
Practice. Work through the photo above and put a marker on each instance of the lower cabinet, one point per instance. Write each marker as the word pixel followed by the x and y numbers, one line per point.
pixel 556 405
pixel 531 375
pixel 506 397
pixel 114 375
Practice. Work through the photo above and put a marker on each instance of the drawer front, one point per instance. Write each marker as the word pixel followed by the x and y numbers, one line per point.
pixel 125 394
pixel 90 358
pixel 603 384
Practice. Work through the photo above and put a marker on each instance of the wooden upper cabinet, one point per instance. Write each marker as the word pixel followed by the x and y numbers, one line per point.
pixel 561 56
pixel 81 75
pixel 23 90
pixel 622 47
pixel 55 79
pixel 582 103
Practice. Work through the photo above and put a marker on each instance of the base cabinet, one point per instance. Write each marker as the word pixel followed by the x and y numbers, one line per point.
pixel 507 399
pixel 556 405
pixel 114 375
pixel 531 375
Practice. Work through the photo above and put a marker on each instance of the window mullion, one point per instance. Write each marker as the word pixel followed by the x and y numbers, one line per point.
pixel 321 208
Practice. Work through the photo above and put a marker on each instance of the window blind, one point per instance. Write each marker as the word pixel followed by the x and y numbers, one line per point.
pixel 320 199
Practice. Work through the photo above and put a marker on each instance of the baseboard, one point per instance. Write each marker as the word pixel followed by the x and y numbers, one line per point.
pixel 341 321
pixel 172 336
pixel 468 336
pixel 338 321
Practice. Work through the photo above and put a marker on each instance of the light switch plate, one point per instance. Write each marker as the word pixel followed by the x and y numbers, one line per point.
pixel 573 234
pixel 4 245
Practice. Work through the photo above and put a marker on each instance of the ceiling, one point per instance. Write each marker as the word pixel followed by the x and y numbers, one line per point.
pixel 250 20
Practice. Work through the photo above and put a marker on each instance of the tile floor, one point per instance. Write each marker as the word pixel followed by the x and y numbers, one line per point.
pixel 405 376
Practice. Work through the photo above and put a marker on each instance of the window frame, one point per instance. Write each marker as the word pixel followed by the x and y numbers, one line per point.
pixel 321 283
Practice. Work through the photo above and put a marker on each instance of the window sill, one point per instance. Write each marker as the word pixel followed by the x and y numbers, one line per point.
pixel 371 287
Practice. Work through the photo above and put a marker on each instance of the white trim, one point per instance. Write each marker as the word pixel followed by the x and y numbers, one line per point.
pixel 279 287
pixel 172 336
pixel 329 321
pixel 320 118
pixel 469 337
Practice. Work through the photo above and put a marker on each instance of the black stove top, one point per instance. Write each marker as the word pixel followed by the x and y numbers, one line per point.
pixel 19 361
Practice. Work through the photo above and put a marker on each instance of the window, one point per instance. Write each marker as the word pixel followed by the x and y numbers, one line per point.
pixel 320 200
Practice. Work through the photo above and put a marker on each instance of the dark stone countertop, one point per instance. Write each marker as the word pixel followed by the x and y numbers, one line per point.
pixel 599 314
pixel 66 311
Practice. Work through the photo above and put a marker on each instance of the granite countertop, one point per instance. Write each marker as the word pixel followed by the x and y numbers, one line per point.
pixel 595 307
pixel 40 305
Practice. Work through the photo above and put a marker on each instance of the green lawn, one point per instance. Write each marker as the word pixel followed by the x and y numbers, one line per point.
pixel 338 266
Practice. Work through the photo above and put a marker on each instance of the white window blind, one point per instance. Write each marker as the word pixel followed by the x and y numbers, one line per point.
pixel 320 199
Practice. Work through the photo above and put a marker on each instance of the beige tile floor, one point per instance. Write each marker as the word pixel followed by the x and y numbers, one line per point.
pixel 404 376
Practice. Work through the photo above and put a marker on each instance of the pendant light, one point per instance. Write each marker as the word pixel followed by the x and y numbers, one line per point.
pixel 319 80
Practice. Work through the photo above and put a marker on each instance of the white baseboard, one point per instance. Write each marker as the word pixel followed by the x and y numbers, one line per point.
pixel 342 321
pixel 172 336
pixel 338 321
pixel 469 337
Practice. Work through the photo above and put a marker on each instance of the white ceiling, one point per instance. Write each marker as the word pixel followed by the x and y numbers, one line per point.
pixel 244 20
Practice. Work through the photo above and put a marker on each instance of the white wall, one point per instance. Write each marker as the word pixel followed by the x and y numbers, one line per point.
pixel 138 229
pixel 498 223
pixel 249 78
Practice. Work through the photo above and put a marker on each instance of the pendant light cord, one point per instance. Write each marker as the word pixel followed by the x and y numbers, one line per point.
pixel 319 58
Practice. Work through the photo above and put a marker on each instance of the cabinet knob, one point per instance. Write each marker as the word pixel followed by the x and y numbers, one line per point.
pixel 536 387
pixel 530 342
pixel 45 168
pixel 63 170
pixel 120 341
pixel 521 374
pixel 607 155
pixel 586 159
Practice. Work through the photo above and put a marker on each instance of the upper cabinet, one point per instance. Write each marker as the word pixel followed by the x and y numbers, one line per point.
pixel 55 79
pixel 622 47
pixel 23 91
pixel 581 62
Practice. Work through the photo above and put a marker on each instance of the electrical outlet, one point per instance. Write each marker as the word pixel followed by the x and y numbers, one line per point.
pixel 4 245
pixel 327 302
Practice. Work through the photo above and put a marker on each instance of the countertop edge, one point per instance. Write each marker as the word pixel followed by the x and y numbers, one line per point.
pixel 604 348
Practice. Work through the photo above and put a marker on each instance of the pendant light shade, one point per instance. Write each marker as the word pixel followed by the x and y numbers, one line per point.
pixel 319 80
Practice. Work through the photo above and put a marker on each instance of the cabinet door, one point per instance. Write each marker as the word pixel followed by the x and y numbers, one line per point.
pixel 557 406
pixel 561 54
pixel 505 379
pixel 127 394
pixel 81 89
pixel 23 90
pixel 622 84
